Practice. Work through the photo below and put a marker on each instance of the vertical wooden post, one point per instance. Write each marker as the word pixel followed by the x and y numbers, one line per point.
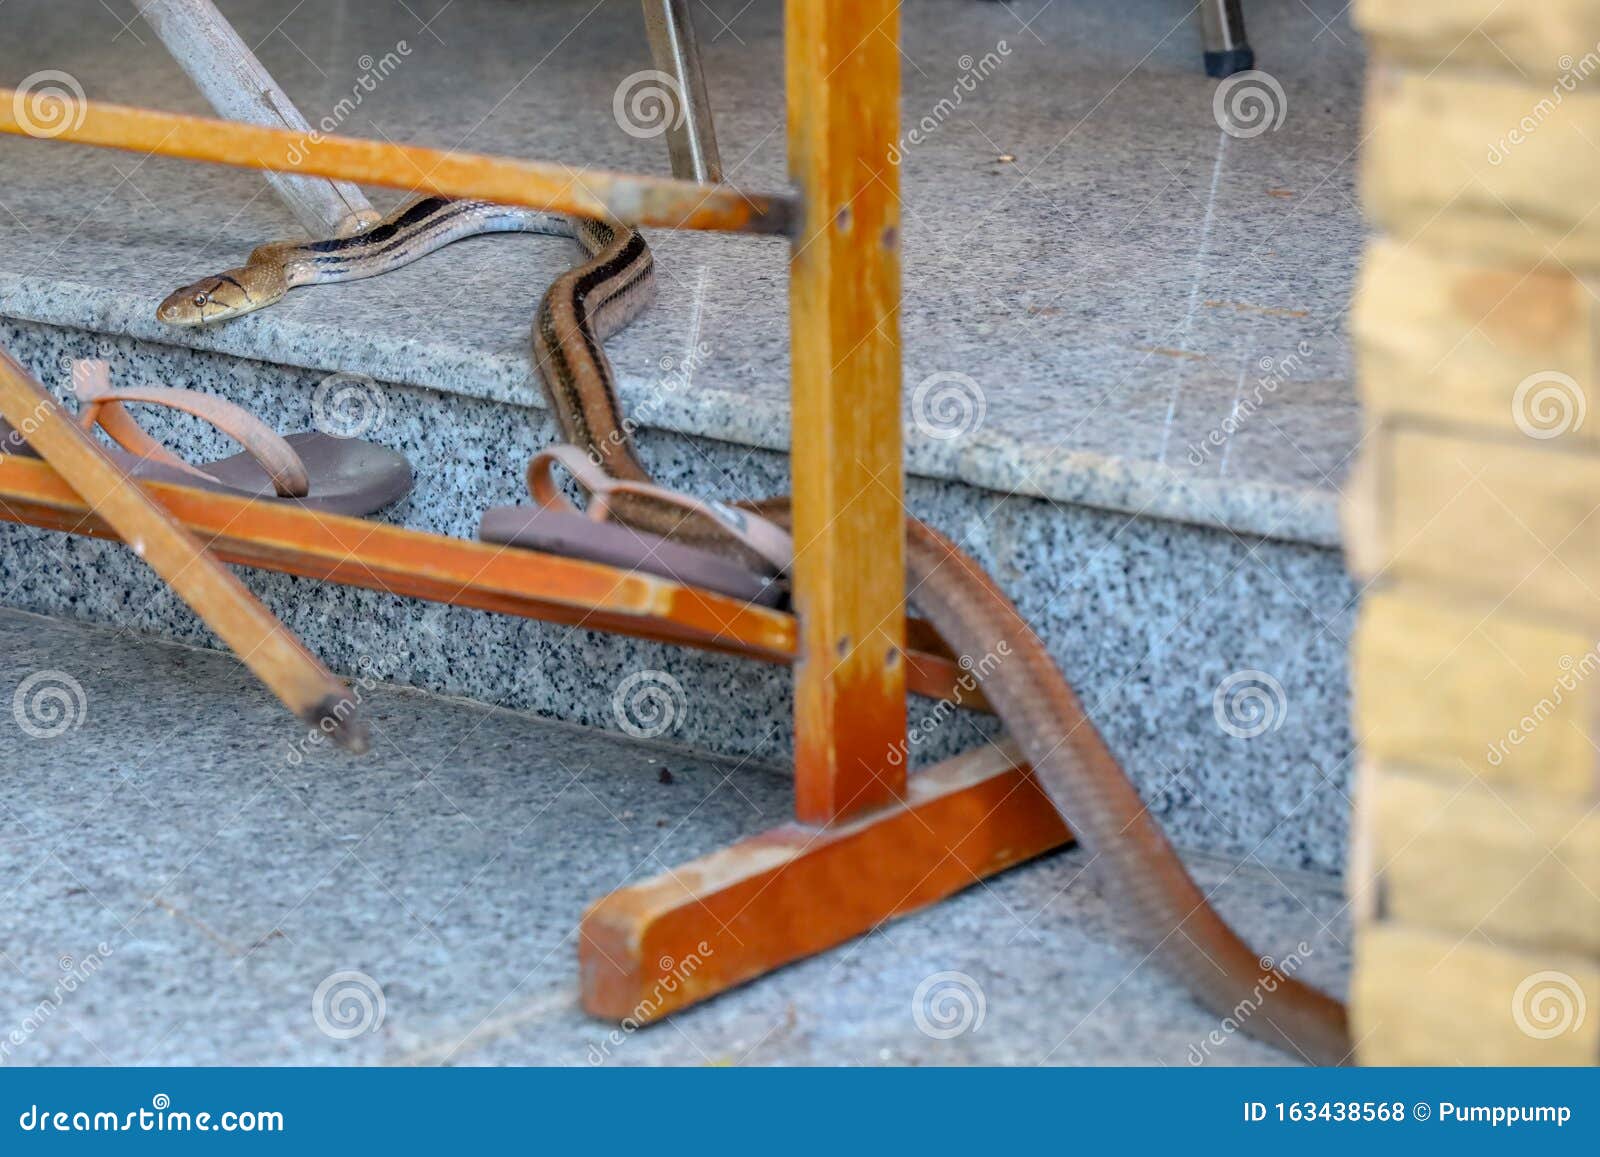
pixel 844 294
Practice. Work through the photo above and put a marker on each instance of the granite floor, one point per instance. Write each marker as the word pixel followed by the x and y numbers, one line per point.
pixel 1115 294
pixel 184 888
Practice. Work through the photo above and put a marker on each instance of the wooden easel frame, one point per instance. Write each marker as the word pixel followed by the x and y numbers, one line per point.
pixel 867 842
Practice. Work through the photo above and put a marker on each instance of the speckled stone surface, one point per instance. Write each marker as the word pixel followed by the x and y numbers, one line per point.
pixel 1147 617
pixel 1112 294
pixel 1144 313
pixel 198 889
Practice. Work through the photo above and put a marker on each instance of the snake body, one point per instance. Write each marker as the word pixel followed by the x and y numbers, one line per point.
pixel 1173 921
pixel 585 305
pixel 1171 917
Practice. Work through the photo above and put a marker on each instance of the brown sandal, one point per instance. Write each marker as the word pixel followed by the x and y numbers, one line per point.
pixel 312 469
pixel 556 526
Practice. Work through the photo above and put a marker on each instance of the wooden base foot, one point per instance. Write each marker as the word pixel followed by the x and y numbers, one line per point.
pixel 795 890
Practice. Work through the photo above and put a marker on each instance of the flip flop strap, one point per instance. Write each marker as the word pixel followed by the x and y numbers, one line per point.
pixel 104 405
pixel 765 538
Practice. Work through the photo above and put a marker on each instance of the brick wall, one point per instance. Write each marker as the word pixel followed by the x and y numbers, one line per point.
pixel 1475 514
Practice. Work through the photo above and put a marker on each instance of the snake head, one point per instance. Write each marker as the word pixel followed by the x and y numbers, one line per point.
pixel 209 300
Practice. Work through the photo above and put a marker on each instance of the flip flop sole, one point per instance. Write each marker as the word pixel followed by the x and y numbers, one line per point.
pixel 347 476
pixel 576 536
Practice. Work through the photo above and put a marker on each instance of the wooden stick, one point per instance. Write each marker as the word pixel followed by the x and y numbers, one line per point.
pixel 594 193
pixel 212 591
pixel 360 552
pixel 844 300
pixel 228 75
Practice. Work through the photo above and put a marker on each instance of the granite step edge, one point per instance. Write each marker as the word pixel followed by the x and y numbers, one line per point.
pixel 1135 487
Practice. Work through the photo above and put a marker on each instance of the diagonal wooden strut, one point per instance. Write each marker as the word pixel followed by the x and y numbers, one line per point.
pixel 263 643
pixel 225 70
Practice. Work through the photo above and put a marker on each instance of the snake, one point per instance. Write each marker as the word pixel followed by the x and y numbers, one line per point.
pixel 583 305
pixel 1171 918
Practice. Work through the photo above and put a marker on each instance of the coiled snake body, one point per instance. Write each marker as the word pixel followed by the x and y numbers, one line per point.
pixel 1171 917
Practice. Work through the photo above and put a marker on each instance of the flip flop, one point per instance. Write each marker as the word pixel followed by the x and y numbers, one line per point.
pixel 311 469
pixel 556 526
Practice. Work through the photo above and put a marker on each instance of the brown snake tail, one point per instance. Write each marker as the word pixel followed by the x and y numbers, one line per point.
pixel 1175 923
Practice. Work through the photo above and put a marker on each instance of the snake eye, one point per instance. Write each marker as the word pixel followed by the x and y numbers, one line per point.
pixel 201 298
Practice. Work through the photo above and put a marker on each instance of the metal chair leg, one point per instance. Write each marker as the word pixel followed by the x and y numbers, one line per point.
pixel 692 138
pixel 1222 27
